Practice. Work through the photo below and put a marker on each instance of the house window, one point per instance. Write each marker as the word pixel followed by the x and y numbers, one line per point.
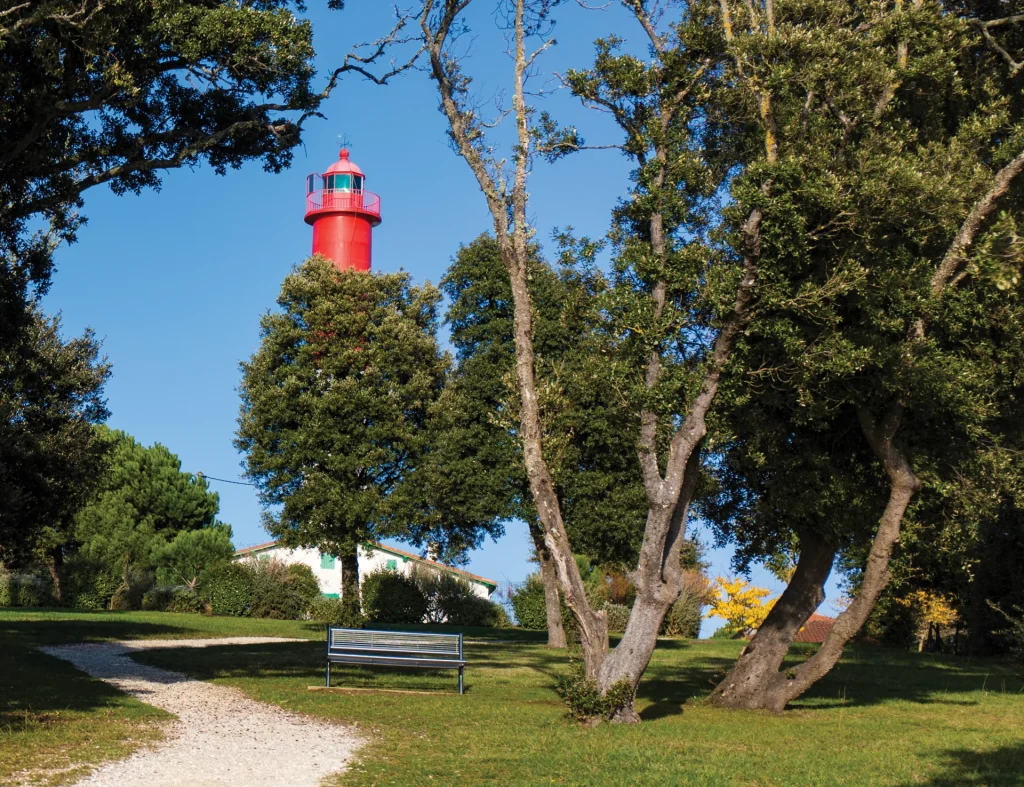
pixel 326 561
pixel 391 565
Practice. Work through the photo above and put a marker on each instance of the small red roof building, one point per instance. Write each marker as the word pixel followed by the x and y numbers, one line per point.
pixel 816 629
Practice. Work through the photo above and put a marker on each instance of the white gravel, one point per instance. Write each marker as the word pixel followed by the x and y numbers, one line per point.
pixel 220 736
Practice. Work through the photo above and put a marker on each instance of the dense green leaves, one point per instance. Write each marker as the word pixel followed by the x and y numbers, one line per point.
pixel 335 405
pixel 51 394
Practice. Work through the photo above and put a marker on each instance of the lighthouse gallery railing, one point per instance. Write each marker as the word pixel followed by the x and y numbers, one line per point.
pixel 336 199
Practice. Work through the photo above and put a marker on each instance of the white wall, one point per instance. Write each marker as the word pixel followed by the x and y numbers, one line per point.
pixel 370 560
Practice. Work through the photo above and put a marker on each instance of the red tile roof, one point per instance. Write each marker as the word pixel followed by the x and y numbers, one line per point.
pixel 816 629
pixel 392 550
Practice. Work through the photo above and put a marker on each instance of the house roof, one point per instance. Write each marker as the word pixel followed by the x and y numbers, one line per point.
pixel 392 550
pixel 816 629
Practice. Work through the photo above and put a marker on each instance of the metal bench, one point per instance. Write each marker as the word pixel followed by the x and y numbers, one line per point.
pixel 394 649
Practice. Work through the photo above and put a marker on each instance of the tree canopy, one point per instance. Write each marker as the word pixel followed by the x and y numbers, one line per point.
pixel 335 404
pixel 51 396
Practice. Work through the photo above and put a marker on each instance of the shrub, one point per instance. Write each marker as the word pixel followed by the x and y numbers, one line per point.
pixel 390 597
pixel 156 599
pixel 187 600
pixel 452 600
pixel 282 591
pixel 683 618
pixel 230 590
pixel 583 698
pixel 87 584
pixel 172 598
pixel 133 587
pixel 24 590
pixel 618 616
pixel 335 612
pixel 528 603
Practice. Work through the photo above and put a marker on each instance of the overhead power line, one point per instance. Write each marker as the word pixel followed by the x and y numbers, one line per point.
pixel 223 480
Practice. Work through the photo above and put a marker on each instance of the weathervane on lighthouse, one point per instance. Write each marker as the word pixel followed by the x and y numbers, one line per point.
pixel 343 214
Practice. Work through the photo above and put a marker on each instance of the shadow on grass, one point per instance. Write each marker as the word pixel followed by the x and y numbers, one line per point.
pixel 1002 767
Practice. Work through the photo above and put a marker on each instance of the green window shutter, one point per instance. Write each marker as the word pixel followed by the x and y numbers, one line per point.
pixel 326 561
pixel 391 565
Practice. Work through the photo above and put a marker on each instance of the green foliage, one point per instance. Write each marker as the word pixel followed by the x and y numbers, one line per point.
pixel 618 616
pixel 282 591
pixel 335 402
pixel 452 600
pixel 24 590
pixel 51 394
pixel 335 612
pixel 134 585
pixel 474 474
pixel 142 502
pixel 192 554
pixel 528 603
pixel 1014 632
pixel 152 86
pixel 585 701
pixel 683 618
pixel 390 597
pixel 231 590
pixel 87 584
pixel 177 598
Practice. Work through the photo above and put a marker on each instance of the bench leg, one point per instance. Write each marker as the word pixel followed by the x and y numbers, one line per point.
pixel 460 680
pixel 328 674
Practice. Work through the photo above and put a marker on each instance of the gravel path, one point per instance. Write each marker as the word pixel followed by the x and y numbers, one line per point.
pixel 220 736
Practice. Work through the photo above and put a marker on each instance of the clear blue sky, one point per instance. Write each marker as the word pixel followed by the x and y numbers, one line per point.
pixel 174 282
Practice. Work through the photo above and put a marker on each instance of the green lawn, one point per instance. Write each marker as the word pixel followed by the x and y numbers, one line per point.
pixel 881 718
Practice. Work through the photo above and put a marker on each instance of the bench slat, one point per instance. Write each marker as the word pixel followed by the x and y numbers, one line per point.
pixel 394 648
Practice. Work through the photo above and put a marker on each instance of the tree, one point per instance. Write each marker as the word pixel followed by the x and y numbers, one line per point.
pixel 193 553
pixel 51 396
pixel 142 501
pixel 335 404
pixel 889 375
pixel 681 307
pixel 741 605
pixel 475 470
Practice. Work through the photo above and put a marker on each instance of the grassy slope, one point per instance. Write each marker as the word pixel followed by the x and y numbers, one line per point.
pixel 54 720
pixel 882 718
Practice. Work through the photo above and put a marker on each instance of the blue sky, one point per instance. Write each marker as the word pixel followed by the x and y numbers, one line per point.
pixel 174 282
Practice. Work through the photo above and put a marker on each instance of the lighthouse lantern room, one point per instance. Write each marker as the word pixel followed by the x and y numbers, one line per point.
pixel 343 214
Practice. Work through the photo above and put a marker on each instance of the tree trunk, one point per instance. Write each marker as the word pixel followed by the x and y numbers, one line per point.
pixel 350 581
pixel 760 662
pixel 552 602
pixel 54 563
pixel 775 690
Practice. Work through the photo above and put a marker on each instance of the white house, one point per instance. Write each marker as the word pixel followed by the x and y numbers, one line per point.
pixel 372 557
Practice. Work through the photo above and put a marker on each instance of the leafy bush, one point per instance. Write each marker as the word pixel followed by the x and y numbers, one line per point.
pixel 230 590
pixel 187 600
pixel 1014 632
pixel 24 590
pixel 156 599
pixel 87 584
pixel 583 698
pixel 618 616
pixel 172 598
pixel 282 591
pixel 133 587
pixel 452 600
pixel 335 612
pixel 390 597
pixel 683 618
pixel 528 603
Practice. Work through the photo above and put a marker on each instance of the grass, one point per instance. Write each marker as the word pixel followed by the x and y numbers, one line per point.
pixel 881 718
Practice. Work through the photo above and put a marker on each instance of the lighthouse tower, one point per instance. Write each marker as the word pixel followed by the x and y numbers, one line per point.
pixel 343 214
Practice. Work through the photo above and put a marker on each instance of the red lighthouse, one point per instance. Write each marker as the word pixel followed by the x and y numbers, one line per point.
pixel 343 214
